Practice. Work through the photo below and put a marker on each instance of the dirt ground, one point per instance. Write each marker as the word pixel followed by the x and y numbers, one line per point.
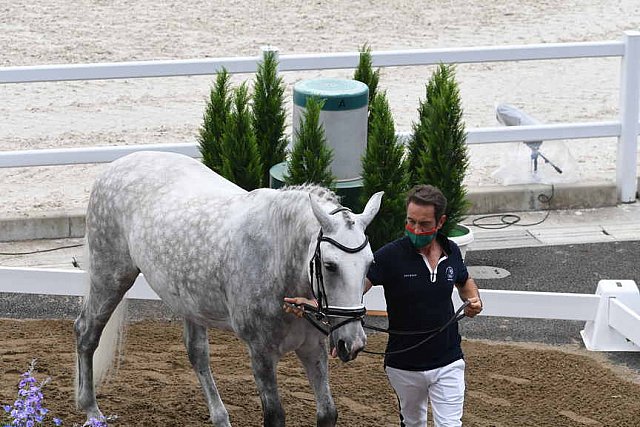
pixel 507 385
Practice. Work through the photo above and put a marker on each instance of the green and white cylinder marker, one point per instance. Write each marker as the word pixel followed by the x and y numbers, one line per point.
pixel 344 118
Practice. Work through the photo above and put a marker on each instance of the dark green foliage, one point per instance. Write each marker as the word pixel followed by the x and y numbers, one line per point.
pixel 365 74
pixel 269 115
pixel 215 118
pixel 383 169
pixel 437 150
pixel 240 158
pixel 310 157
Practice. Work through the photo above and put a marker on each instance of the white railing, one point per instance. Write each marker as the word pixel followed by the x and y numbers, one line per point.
pixel 626 129
pixel 612 324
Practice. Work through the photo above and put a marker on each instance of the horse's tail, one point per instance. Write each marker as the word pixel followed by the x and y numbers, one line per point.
pixel 106 359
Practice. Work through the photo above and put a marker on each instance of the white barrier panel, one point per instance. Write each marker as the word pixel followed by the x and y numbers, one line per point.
pixel 522 304
pixel 46 281
pixel 624 320
pixel 612 314
pixel 616 326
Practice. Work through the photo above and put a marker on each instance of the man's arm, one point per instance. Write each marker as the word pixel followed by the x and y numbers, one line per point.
pixel 469 292
pixel 367 285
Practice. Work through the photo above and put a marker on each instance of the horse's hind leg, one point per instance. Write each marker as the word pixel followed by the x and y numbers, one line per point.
pixel 197 342
pixel 107 288
pixel 314 359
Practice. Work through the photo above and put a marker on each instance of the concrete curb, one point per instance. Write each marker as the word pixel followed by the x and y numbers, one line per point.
pixel 535 197
pixel 484 200
pixel 47 225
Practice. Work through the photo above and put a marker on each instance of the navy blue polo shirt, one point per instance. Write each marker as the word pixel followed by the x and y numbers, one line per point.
pixel 418 300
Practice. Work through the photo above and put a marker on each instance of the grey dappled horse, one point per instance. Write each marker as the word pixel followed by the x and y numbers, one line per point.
pixel 220 257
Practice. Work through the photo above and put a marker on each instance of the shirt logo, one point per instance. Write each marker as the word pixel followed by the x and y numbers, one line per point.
pixel 449 274
pixel 409 275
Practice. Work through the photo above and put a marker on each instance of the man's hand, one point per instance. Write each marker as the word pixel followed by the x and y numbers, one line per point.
pixel 474 308
pixel 294 305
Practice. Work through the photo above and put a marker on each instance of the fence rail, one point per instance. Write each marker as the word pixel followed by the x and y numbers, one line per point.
pixel 626 129
pixel 498 303
pixel 305 62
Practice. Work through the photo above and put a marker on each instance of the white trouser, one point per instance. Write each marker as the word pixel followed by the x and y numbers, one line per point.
pixel 443 387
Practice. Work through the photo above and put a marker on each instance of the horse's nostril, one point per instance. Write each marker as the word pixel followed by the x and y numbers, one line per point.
pixel 343 351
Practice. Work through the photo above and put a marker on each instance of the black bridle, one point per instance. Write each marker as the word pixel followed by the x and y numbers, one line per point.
pixel 324 315
pixel 321 316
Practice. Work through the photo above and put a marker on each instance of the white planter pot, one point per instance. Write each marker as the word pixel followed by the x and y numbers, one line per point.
pixel 464 240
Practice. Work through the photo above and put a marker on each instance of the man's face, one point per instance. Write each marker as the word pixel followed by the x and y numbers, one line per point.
pixel 422 218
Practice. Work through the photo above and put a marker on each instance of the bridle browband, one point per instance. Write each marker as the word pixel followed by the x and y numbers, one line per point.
pixel 321 316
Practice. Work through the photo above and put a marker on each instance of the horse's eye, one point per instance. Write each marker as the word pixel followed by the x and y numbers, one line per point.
pixel 330 266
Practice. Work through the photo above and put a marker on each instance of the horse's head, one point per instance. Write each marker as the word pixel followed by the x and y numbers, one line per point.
pixel 339 260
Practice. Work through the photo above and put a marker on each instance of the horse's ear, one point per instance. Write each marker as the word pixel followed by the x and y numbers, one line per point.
pixel 323 217
pixel 370 211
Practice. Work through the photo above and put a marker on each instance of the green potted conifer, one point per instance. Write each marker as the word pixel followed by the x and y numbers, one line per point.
pixel 364 73
pixel 240 157
pixel 384 169
pixel 214 121
pixel 269 114
pixel 438 150
pixel 311 157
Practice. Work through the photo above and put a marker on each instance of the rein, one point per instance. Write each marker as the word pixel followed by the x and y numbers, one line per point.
pixel 321 316
pixel 457 316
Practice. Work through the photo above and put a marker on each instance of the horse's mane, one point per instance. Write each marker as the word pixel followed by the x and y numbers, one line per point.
pixel 322 192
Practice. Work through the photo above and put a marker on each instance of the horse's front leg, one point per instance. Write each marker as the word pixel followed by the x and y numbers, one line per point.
pixel 197 342
pixel 264 364
pixel 313 355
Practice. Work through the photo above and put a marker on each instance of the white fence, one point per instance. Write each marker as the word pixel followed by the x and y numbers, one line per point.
pixel 626 129
pixel 611 315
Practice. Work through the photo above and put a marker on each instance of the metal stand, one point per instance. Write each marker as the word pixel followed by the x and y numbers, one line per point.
pixel 509 115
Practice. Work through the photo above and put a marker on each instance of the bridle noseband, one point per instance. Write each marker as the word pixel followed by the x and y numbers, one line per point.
pixel 321 316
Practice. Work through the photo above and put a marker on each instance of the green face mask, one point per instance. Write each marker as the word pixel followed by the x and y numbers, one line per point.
pixel 420 240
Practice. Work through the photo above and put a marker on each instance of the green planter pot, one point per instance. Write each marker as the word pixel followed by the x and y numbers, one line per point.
pixel 463 236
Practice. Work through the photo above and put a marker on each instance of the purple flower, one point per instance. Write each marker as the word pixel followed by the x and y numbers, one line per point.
pixel 27 410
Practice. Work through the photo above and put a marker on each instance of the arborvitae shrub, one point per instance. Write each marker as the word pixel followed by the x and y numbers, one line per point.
pixel 310 157
pixel 365 74
pixel 269 115
pixel 240 158
pixel 383 168
pixel 438 150
pixel 214 121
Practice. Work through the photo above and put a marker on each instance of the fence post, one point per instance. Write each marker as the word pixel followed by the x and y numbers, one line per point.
pixel 626 162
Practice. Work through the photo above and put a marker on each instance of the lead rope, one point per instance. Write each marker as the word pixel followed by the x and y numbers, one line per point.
pixel 457 316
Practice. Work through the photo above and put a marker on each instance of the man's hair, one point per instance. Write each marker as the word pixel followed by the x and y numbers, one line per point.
pixel 425 195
